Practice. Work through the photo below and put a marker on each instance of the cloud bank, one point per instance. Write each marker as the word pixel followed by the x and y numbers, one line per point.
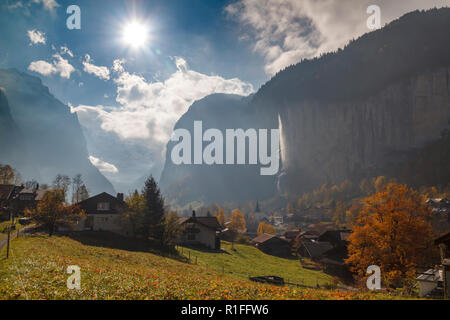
pixel 286 31
pixel 100 72
pixel 59 65
pixel 103 166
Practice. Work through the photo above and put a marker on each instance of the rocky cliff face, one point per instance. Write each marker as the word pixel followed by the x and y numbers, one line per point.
pixel 217 183
pixel 331 142
pixel 51 139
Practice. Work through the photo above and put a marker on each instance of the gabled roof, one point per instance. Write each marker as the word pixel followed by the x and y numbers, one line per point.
pixel 316 249
pixel 90 204
pixel 263 238
pixel 209 222
pixel 431 275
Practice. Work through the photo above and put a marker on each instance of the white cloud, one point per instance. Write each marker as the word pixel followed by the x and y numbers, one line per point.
pixel 59 65
pixel 286 31
pixel 103 166
pixel 148 111
pixel 49 5
pixel 65 50
pixel 36 37
pixel 118 65
pixel 100 72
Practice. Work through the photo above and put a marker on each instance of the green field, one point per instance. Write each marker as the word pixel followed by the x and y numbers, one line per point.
pixel 247 261
pixel 37 270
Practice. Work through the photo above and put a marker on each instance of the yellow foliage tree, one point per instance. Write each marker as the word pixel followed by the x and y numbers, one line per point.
pixel 393 232
pixel 266 228
pixel 237 220
pixel 220 216
pixel 6 174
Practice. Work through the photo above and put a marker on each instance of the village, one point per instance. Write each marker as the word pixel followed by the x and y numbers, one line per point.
pixel 317 245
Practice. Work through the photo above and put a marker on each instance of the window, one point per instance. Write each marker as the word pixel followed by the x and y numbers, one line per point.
pixel 103 206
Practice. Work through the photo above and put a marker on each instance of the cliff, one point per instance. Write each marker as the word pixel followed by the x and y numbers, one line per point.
pixel 331 142
pixel 50 141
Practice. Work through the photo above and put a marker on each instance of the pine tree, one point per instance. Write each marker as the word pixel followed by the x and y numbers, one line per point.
pixel 153 221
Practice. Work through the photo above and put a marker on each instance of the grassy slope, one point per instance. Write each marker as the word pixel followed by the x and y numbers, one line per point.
pixel 37 270
pixel 4 230
pixel 245 261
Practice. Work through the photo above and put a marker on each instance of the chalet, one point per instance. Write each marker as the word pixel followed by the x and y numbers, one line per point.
pixel 103 213
pixel 272 244
pixel 313 250
pixel 336 237
pixel 444 245
pixel 19 198
pixel 28 198
pixel 200 231
pixel 430 283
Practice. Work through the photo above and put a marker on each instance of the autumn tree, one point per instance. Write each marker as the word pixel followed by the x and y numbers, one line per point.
pixel 133 216
pixel 339 215
pixel 51 212
pixel 62 182
pixel 266 228
pixel 393 232
pixel 220 217
pixel 237 220
pixel 352 214
pixel 172 230
pixel 77 183
pixel 6 174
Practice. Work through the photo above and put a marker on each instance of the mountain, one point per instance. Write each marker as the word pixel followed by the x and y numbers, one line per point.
pixel 12 144
pixel 217 183
pixel 347 114
pixel 46 137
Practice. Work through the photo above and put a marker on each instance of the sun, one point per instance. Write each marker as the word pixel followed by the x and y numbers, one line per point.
pixel 135 34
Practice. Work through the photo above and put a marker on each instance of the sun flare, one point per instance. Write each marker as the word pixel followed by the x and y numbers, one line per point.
pixel 135 34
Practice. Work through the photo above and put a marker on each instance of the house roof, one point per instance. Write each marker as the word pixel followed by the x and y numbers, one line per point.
pixel 431 275
pixel 335 236
pixel 6 191
pixel 263 238
pixel 316 249
pixel 209 222
pixel 90 205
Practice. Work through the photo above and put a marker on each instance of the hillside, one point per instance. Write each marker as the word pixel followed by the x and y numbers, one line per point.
pixel 37 270
pixel 49 135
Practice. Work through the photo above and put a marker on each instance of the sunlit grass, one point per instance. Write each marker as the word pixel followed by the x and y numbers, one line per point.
pixel 38 264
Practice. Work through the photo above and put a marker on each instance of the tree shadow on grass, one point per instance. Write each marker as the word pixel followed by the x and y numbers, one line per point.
pixel 203 249
pixel 112 240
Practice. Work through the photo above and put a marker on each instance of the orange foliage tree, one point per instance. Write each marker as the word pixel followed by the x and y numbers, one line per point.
pixel 393 232
pixel 51 212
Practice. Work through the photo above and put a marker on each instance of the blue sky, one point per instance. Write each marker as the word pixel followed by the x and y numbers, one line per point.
pixel 127 100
